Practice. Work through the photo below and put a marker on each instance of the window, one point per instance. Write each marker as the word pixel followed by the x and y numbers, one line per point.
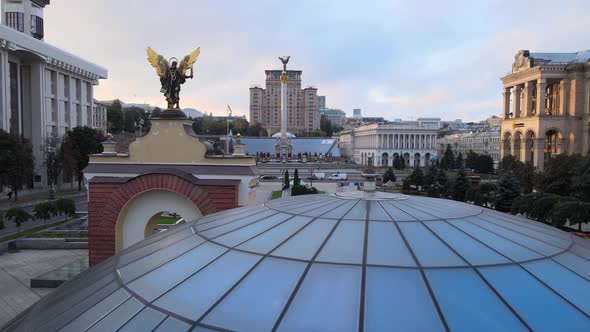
pixel 16 20
pixel 36 26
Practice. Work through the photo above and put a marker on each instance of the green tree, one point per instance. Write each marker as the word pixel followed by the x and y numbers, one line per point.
pixel 18 216
pixel 474 195
pixel 44 211
pixel 581 179
pixel 459 161
pixel 448 160
pixel 524 172
pixel 574 212
pixel 471 160
pixel 326 126
pixel 484 164
pixel 65 207
pixel 557 175
pixel 296 179
pixel 396 162
pixel 134 118
pixel 417 178
pixel 508 191
pixel 115 117
pixel 77 145
pixel 459 187
pixel 389 175
pixel 401 162
pixel 2 220
pixel 16 161
pixel 286 181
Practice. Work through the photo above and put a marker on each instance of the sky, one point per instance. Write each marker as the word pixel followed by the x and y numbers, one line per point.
pixel 395 59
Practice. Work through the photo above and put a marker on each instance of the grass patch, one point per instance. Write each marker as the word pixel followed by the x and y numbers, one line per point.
pixel 276 194
pixel 168 220
pixel 33 230
pixel 58 235
pixel 321 192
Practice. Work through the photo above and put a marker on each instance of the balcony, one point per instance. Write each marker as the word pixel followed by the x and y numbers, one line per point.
pixel 37 27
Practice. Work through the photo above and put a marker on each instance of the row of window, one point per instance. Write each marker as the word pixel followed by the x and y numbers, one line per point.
pixel 16 20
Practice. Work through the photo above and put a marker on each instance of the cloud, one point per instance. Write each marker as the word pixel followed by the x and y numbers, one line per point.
pixel 390 58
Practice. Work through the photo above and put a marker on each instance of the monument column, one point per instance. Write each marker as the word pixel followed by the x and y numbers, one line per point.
pixel 284 79
pixel 528 97
pixel 541 86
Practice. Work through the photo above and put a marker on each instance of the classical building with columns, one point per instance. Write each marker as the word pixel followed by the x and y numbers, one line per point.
pixel 416 143
pixel 44 90
pixel 546 106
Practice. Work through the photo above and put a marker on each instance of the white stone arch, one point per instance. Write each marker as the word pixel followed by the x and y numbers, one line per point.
pixel 137 216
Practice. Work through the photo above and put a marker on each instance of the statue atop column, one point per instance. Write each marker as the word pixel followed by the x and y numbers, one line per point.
pixel 172 74
pixel 284 60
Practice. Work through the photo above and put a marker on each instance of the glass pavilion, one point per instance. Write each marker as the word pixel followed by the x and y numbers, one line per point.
pixel 346 262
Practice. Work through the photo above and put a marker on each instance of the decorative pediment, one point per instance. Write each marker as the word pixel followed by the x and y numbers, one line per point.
pixel 521 61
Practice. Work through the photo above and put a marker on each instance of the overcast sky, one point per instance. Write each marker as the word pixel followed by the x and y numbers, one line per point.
pixel 396 59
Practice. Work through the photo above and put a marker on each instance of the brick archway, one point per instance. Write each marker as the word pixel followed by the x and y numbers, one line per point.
pixel 108 196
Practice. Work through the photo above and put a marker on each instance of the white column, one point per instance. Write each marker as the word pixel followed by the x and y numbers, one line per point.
pixel 541 86
pixel 283 108
pixel 506 102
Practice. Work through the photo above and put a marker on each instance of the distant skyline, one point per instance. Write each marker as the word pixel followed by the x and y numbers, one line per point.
pixel 395 59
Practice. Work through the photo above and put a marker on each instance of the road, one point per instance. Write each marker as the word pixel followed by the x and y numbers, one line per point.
pixel 10 226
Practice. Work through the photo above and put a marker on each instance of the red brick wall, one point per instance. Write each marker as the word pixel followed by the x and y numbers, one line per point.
pixel 108 195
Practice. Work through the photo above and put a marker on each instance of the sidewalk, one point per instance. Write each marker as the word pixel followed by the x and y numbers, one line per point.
pixel 36 198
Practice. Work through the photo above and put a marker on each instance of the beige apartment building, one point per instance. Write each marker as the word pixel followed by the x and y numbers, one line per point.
pixel 546 106
pixel 302 104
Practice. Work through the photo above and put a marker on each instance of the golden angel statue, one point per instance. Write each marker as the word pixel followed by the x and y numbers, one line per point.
pixel 171 75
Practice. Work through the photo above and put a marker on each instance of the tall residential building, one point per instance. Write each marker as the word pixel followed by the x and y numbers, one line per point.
pixel 546 107
pixel 302 104
pixel 356 113
pixel 321 102
pixel 99 116
pixel 335 116
pixel 43 90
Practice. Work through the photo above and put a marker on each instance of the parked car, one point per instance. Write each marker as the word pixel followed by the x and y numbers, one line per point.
pixel 268 177
pixel 301 182
pixel 338 176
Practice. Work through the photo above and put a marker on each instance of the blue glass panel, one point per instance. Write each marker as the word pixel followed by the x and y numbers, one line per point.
pixel 213 232
pixel 226 217
pixel 505 247
pixel 146 320
pixel 118 317
pixel 429 250
pixel 243 234
pixel 529 242
pixel 468 304
pixel 570 285
pixel 376 212
pixel 407 208
pixel 386 247
pixel 155 283
pixel 300 208
pixel 172 324
pixel 340 211
pixel 94 314
pixel 255 304
pixel 196 294
pixel 307 242
pixel 324 209
pixel 346 243
pixel 359 212
pixel 574 263
pixel 472 250
pixel 395 212
pixel 269 240
pixel 149 262
pixel 328 300
pixel 523 228
pixel 398 299
pixel 581 251
pixel 540 307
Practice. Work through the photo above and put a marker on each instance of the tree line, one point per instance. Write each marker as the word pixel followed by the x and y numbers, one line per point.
pixel 42 211
pixel 68 154
pixel 558 195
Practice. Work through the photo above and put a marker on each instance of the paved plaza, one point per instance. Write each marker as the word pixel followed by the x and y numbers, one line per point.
pixel 16 271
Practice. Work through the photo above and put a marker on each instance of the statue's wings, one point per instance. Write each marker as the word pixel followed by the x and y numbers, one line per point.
pixel 157 61
pixel 188 61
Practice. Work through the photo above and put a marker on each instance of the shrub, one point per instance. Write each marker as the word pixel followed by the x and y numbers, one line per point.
pixel 303 190
pixel 44 211
pixel 65 207
pixel 18 216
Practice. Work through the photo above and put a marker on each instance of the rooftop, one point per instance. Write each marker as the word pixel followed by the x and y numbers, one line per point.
pixel 343 262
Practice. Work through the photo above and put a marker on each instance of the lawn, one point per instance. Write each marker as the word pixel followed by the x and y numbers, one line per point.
pixel 33 230
pixel 276 194
pixel 167 220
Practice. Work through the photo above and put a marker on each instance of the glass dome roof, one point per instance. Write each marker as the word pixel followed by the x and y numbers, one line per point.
pixel 347 262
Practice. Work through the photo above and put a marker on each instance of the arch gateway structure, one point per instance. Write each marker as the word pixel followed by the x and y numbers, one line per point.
pixel 168 169
pixel 546 108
